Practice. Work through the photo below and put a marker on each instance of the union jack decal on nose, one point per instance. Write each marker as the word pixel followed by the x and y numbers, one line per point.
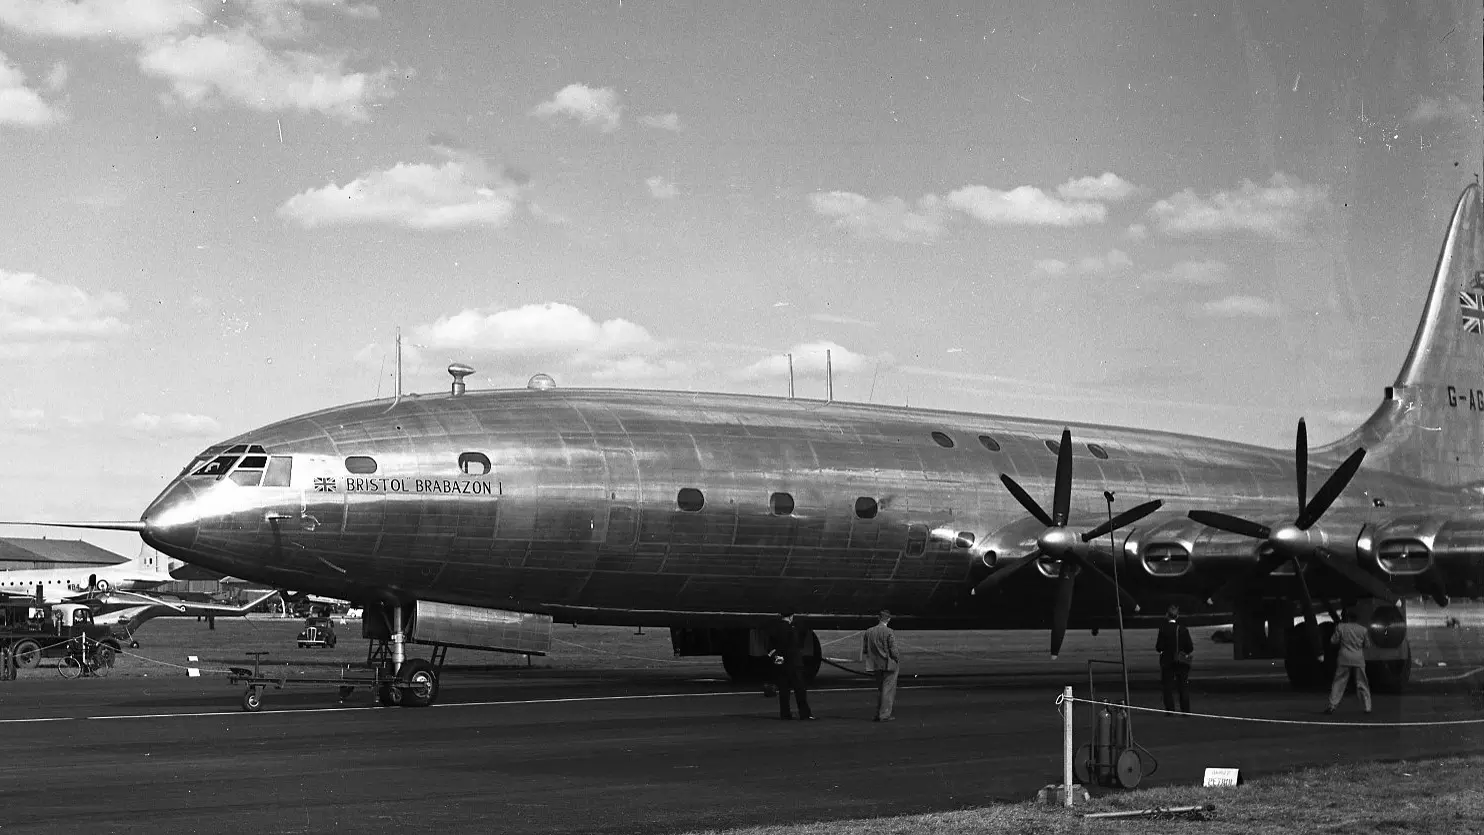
pixel 1472 307
pixel 324 485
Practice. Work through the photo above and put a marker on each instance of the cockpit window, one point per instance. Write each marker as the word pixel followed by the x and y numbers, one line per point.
pixel 239 449
pixel 280 471
pixel 253 462
pixel 217 466
pixel 246 478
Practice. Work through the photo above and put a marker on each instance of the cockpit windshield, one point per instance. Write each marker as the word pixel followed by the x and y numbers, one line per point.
pixel 246 465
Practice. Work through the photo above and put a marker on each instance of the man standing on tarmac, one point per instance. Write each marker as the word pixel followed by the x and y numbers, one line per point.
pixel 1176 651
pixel 879 644
pixel 789 662
pixel 1352 639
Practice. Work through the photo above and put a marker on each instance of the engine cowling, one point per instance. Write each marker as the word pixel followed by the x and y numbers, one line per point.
pixel 1178 547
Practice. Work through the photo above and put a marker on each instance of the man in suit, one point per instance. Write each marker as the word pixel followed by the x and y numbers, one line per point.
pixel 879 645
pixel 788 661
pixel 1175 650
pixel 1352 639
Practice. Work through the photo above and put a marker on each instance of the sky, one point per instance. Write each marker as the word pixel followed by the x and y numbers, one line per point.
pixel 1206 217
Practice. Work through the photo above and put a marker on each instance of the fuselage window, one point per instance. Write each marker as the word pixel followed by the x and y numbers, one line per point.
pixel 782 504
pixel 280 471
pixel 865 507
pixel 942 440
pixel 246 478
pixel 1097 451
pixel 360 464
pixel 474 463
pixel 1054 446
pixel 964 540
pixel 690 499
pixel 989 443
pixel 917 536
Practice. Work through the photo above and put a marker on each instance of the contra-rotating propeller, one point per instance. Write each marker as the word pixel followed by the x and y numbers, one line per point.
pixel 1301 539
pixel 1068 549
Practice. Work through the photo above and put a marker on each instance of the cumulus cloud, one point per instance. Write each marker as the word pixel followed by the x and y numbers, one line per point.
pixel 173 424
pixel 1108 186
pixel 888 219
pixel 595 107
pixel 1449 108
pixel 239 68
pixel 661 189
pixel 19 104
pixel 1024 206
pixel 42 318
pixel 461 192
pixel 1283 210
pixel 1232 307
pixel 809 360
pixel 841 320
pixel 99 19
pixel 662 121
pixel 551 328
pixel 1197 273
pixel 1137 232
pixel 1114 261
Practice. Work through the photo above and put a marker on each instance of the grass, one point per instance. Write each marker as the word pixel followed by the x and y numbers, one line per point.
pixel 1378 798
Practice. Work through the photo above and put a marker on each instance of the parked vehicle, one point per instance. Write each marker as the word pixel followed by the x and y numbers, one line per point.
pixel 318 632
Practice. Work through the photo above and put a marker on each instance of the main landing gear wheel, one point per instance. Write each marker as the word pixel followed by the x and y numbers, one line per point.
pixel 421 682
pixel 1307 671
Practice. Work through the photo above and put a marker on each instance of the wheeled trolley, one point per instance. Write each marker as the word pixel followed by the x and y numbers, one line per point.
pixel 415 685
pixel 1111 758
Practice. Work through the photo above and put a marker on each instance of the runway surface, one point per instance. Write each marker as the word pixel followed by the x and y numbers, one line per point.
pixel 661 750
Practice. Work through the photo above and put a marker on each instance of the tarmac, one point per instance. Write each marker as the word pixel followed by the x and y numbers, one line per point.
pixel 548 750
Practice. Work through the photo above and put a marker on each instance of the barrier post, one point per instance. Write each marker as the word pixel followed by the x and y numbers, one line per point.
pixel 1066 745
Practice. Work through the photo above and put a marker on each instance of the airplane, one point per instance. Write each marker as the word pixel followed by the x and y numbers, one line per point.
pixel 61 585
pixel 479 518
pixel 126 611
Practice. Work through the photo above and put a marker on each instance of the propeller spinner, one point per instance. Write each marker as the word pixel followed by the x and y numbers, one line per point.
pixel 1070 550
pixel 1301 538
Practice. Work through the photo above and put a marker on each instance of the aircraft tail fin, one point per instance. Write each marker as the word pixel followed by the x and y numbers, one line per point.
pixel 1431 424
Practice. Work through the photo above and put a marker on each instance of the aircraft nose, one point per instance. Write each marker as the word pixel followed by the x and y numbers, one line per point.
pixel 170 522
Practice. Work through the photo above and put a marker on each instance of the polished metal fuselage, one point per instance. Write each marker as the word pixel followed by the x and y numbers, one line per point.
pixel 589 509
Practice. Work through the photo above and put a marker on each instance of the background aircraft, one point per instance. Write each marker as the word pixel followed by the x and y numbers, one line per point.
pixel 62 584
pixel 476 519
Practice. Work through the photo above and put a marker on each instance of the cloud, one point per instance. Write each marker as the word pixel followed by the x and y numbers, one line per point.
pixel 239 68
pixel 1023 206
pixel 661 189
pixel 841 320
pixel 99 19
pixel 809 360
pixel 551 329
pixel 1113 262
pixel 1281 210
pixel 175 423
pixel 40 318
pixel 19 104
pixel 1449 108
pixel 461 192
pixel 1197 273
pixel 665 121
pixel 25 418
pixel 1137 232
pixel 596 107
pixel 889 219
pixel 1233 307
pixel 1108 186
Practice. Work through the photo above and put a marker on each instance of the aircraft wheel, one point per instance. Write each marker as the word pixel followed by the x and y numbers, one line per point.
pixel 27 654
pixel 133 645
pixel 418 673
pixel 1305 670
pixel 252 700
pixel 1390 676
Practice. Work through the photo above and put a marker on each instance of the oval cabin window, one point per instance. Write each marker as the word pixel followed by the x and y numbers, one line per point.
pixel 782 504
pixel 989 443
pixel 1097 451
pixel 360 464
pixel 942 440
pixel 1054 446
pixel 690 499
pixel 865 507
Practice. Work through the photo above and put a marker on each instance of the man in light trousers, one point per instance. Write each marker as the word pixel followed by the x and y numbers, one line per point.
pixel 1352 639
pixel 879 645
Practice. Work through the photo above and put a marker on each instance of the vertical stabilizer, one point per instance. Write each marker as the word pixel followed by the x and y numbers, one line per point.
pixel 1431 424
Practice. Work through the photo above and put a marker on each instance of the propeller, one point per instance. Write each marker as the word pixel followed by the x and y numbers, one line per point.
pixel 1288 543
pixel 1070 550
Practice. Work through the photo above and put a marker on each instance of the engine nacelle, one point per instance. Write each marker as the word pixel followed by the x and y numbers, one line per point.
pixel 1180 546
pixel 1449 551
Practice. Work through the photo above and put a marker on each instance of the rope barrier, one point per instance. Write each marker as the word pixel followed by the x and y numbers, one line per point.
pixel 1258 719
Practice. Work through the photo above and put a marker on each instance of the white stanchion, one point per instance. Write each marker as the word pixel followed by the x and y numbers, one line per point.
pixel 1066 745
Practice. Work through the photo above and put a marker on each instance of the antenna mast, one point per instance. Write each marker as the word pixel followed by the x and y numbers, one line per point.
pixel 829 377
pixel 790 376
pixel 399 363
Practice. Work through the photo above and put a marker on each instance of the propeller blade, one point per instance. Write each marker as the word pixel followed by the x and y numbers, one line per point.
pixel 1311 621
pixel 1003 574
pixel 1086 565
pixel 1026 501
pixel 1061 502
pixel 1230 524
pixel 1354 574
pixel 1233 589
pixel 1128 517
pixel 1301 464
pixel 1330 490
pixel 1063 611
